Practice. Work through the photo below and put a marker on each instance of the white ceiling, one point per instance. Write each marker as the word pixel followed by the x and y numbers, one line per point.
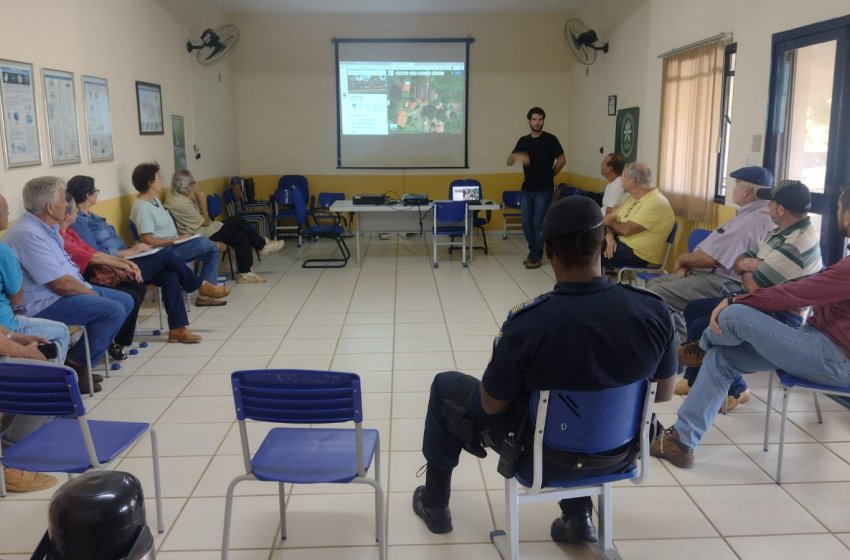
pixel 391 6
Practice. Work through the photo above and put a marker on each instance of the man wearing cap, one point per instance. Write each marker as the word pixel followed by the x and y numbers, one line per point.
pixel 744 338
pixel 788 252
pixel 570 338
pixel 703 272
pixel 636 234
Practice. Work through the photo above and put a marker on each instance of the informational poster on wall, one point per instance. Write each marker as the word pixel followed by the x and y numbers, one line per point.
pixel 626 141
pixel 20 125
pixel 62 130
pixel 98 121
pixel 178 140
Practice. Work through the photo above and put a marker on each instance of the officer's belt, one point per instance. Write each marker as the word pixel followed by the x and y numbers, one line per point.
pixel 570 460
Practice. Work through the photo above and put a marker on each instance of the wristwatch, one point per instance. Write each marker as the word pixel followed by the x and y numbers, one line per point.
pixel 730 300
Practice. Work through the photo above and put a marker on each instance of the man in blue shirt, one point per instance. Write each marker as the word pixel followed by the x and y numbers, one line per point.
pixel 53 287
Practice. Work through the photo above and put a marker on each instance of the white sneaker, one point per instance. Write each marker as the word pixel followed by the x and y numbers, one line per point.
pixel 250 278
pixel 271 247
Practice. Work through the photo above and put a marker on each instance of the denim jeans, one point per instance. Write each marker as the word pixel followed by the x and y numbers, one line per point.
pixel 754 341
pixel 102 315
pixel 204 250
pixel 533 207
pixel 54 331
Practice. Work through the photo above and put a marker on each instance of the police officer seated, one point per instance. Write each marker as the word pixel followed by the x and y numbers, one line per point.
pixel 587 334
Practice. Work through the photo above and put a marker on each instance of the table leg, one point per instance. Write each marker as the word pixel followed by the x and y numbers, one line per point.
pixel 357 236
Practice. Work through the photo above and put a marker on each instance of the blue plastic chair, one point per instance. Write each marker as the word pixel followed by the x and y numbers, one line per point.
pixel 696 237
pixel 450 219
pixel 790 384
pixel 259 217
pixel 214 209
pixel 585 422
pixel 69 443
pixel 325 224
pixel 511 201
pixel 477 221
pixel 305 455
pixel 660 268
pixel 282 202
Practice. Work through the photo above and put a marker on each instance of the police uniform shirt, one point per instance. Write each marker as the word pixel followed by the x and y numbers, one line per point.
pixel 582 336
pixel 542 152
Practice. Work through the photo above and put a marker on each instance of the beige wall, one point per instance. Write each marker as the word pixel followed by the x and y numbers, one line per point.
pixel 286 87
pixel 122 41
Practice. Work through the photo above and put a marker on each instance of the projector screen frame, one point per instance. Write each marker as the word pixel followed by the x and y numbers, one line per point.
pixel 466 41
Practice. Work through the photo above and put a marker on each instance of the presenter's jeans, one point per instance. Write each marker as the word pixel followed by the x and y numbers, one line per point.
pixel 533 207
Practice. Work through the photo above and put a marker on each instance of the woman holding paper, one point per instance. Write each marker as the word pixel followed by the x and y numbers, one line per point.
pixel 90 240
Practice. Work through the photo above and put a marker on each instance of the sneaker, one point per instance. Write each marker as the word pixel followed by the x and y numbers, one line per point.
pixel 690 354
pixel 183 335
pixel 437 519
pixel 667 445
pixel 250 278
pixel 532 263
pixel 682 387
pixel 27 481
pixel 732 401
pixel 271 247
pixel 204 301
pixel 578 529
pixel 208 290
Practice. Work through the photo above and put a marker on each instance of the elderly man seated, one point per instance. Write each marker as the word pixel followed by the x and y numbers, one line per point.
pixel 53 287
pixel 188 204
pixel 636 233
pixel 20 337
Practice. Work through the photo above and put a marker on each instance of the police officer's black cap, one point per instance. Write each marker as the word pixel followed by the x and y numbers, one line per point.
pixel 570 216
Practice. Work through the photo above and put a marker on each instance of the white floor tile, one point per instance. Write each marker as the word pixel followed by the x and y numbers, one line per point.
pixel 790 547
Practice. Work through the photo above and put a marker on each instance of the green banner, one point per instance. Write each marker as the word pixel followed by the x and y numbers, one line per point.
pixel 626 141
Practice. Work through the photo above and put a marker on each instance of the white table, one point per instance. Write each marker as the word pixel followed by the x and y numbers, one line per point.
pixel 397 218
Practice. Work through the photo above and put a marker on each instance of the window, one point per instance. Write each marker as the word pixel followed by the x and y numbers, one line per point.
pixel 691 94
pixel 725 121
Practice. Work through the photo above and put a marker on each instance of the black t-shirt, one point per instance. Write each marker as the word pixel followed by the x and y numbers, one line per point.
pixel 582 337
pixel 542 152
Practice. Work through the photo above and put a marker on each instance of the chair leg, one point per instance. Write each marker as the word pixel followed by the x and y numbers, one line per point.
pixel 281 496
pixel 768 411
pixel 88 360
pixel 782 423
pixel 230 262
pixel 157 488
pixel 605 506
pixel 817 408
pixel 228 513
pixel 2 482
pixel 484 239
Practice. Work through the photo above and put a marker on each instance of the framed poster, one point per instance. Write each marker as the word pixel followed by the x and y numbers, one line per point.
pixel 20 123
pixel 63 133
pixel 626 141
pixel 178 140
pixel 612 105
pixel 98 121
pixel 149 102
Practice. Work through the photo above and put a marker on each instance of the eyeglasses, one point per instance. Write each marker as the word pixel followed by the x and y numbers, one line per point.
pixel 96 191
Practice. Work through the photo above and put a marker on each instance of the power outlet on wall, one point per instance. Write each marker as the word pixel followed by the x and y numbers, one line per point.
pixel 756 147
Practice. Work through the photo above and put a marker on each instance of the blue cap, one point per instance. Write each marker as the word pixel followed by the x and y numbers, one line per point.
pixel 753 174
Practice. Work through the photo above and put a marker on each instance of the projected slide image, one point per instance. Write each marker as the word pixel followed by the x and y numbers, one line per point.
pixel 411 98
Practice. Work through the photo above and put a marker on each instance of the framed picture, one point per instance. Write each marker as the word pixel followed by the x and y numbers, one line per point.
pixel 20 123
pixel 612 105
pixel 178 141
pixel 149 101
pixel 63 133
pixel 98 121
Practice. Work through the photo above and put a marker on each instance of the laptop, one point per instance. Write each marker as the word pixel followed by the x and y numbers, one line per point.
pixel 466 193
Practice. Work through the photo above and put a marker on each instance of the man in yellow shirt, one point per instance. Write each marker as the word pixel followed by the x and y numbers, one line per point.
pixel 636 233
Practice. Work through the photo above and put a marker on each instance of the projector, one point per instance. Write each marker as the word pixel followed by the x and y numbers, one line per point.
pixel 414 199
pixel 369 199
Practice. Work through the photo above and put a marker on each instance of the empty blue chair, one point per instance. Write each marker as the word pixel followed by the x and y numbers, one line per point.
pixel 450 219
pixel 511 201
pixel 584 423
pixel 319 223
pixel 305 455
pixel 69 443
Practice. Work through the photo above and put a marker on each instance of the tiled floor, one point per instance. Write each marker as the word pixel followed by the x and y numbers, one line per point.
pixel 397 321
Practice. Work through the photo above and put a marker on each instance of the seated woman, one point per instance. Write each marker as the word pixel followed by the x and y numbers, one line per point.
pixel 155 227
pixel 161 268
pixel 188 204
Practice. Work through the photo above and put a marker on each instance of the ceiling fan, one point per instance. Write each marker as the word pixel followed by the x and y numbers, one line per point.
pixel 216 44
pixel 582 41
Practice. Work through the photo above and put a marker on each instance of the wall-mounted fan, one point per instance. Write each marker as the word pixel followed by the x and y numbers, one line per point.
pixel 582 41
pixel 215 44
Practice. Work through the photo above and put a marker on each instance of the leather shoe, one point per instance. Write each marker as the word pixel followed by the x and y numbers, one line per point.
pixel 183 335
pixel 204 301
pixel 83 383
pixel 438 519
pixel 116 352
pixel 27 481
pixel 83 377
pixel 212 291
pixel 578 529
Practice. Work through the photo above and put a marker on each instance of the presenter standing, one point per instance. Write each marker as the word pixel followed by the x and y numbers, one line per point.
pixel 542 158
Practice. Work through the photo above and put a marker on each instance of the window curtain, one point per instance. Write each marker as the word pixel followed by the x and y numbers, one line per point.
pixel 692 82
